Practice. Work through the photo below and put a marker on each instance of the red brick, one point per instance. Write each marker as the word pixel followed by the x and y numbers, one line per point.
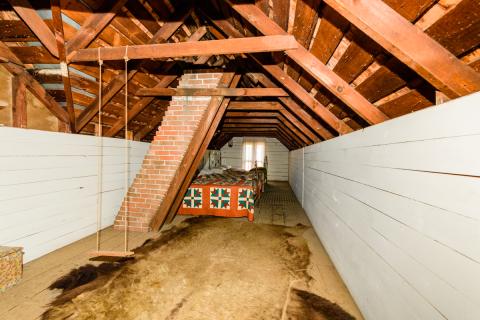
pixel 171 141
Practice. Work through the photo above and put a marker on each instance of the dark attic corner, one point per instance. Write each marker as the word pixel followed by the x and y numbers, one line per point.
pixel 220 159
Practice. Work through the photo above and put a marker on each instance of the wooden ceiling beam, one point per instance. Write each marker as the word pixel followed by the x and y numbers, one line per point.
pixel 326 77
pixel 190 49
pixel 13 65
pixel 229 30
pixel 250 114
pixel 38 26
pixel 39 91
pixel 290 117
pixel 219 141
pixel 230 92
pixel 165 81
pixel 92 27
pixel 306 98
pixel 118 82
pixel 138 107
pixel 296 109
pixel 260 125
pixel 255 105
pixel 260 117
pixel 250 130
pixel 252 120
pixel 410 45
pixel 271 106
pixel 62 56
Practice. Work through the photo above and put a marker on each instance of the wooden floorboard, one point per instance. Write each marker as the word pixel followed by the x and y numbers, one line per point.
pixel 278 205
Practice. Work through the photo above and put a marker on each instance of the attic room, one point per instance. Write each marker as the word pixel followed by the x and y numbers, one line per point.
pixel 240 159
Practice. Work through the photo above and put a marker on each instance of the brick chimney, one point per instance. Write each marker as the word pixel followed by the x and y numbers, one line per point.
pixel 166 152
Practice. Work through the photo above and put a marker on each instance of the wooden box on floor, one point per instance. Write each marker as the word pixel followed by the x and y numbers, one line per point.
pixel 11 262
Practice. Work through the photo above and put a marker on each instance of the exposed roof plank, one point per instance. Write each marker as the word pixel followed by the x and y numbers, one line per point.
pixel 153 124
pixel 31 18
pixel 459 29
pixel 34 55
pixel 306 16
pixel 402 39
pixel 15 30
pixel 290 85
pixel 409 102
pixel 117 83
pixel 315 67
pixel 138 107
pixel 297 90
pixel 92 27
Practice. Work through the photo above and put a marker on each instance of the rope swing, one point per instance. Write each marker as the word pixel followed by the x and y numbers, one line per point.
pixel 102 254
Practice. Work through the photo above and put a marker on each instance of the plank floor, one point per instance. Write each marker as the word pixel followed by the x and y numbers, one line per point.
pixel 278 205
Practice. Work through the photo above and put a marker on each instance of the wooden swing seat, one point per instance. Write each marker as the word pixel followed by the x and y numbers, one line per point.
pixel 104 254
pixel 118 254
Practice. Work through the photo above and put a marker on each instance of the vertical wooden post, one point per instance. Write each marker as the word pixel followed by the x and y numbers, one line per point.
pixel 19 104
pixel 130 135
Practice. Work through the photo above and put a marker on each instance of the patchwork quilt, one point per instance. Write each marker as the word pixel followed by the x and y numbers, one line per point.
pixel 219 195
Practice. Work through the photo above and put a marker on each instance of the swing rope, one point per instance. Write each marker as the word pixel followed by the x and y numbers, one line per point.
pixel 100 157
pixel 126 148
pixel 125 253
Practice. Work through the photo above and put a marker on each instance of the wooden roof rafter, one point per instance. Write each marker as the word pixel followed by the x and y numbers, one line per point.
pixel 62 56
pixel 31 18
pixel 163 34
pixel 403 40
pixel 336 85
pixel 292 86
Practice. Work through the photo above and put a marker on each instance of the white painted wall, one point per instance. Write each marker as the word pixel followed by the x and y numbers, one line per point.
pixel 295 173
pixel 276 152
pixel 48 186
pixel 397 207
pixel 232 156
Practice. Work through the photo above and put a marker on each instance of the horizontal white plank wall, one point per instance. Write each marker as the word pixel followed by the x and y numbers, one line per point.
pixel 295 173
pixel 397 206
pixel 232 155
pixel 48 186
pixel 276 152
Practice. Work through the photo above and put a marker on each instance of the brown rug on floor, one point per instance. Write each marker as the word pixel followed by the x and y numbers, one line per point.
pixel 206 268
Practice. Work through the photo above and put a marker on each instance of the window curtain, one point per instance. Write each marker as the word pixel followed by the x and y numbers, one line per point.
pixel 253 152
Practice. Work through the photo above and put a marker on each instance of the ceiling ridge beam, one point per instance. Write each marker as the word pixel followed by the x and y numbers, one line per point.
pixel 190 49
pixel 231 92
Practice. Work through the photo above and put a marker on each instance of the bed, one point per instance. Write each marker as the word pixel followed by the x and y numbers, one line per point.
pixel 231 193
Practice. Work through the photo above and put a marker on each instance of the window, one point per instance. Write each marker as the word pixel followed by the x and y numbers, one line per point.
pixel 253 152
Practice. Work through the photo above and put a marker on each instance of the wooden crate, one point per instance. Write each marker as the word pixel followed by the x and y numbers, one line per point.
pixel 11 263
